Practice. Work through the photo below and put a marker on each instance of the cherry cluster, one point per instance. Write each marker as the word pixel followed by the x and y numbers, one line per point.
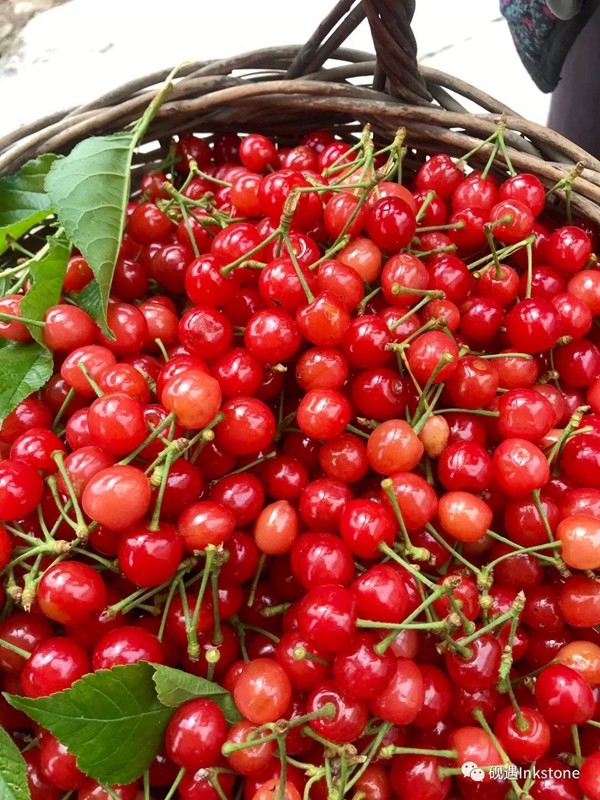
pixel 338 451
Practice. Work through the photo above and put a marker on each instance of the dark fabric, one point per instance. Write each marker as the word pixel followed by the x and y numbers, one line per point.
pixel 543 41
pixel 575 104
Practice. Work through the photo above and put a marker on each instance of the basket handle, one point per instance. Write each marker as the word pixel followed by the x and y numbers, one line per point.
pixel 397 70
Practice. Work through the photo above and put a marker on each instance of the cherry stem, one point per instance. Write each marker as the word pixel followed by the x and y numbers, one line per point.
pixel 110 791
pixel 256 579
pixel 401 626
pixel 479 716
pixel 490 139
pixel 459 557
pixel 519 548
pixel 492 356
pixel 214 782
pixel 168 420
pixel 391 750
pixel 360 308
pixel 173 788
pixel 300 653
pixel 571 425
pixel 522 723
pixel 357 431
pixel 429 198
pixel 370 753
pixel 217 636
pixel 82 529
pixel 576 745
pixel 416 553
pixel 305 287
pixel 169 599
pixel 413 569
pixel 504 252
pixel 14 649
pixel 234 264
pixel 62 508
pixel 445 359
pixel 410 313
pixel 450 226
pixel 193 647
pixel 252 464
pixel 516 607
pixel 481 412
pixel 468 625
pixel 308 731
pixel 36 323
pixel 90 380
pixel 418 423
pixel 65 404
pixel 506 660
pixel 438 591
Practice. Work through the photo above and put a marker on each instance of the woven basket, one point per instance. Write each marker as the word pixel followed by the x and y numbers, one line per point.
pixel 286 91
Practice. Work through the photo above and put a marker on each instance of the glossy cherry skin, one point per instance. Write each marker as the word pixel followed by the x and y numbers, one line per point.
pixel 360 671
pixel 54 665
pixel 127 644
pixel 528 744
pixel 327 616
pixel 465 466
pixel 150 557
pixel 262 691
pixel 533 325
pixel 117 497
pixel 473 744
pixel 403 698
pixel 519 467
pixel 349 719
pixel 58 765
pixel 382 593
pixel 589 779
pixel 248 426
pixel 580 537
pixel 321 558
pixel 579 599
pixel 481 668
pixel 418 776
pixel 364 526
pixel 196 734
pixel 71 592
pixel 21 489
pixel 416 499
pixel 25 631
pixel 563 696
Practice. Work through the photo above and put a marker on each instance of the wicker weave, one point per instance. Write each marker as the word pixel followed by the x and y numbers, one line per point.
pixel 285 91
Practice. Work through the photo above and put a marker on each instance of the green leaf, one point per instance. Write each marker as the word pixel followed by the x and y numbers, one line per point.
pixel 24 368
pixel 175 687
pixel 89 189
pixel 13 770
pixel 47 270
pixel 23 199
pixel 111 720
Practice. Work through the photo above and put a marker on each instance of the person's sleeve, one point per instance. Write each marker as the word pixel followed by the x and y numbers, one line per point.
pixel 541 39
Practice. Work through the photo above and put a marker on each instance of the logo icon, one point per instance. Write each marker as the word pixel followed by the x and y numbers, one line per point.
pixel 470 770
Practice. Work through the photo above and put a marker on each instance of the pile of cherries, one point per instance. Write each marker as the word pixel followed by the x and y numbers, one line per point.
pixel 341 455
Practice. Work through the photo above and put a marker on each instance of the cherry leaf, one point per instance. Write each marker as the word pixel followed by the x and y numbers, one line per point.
pixel 89 189
pixel 24 368
pixel 24 202
pixel 47 271
pixel 175 687
pixel 111 720
pixel 13 770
